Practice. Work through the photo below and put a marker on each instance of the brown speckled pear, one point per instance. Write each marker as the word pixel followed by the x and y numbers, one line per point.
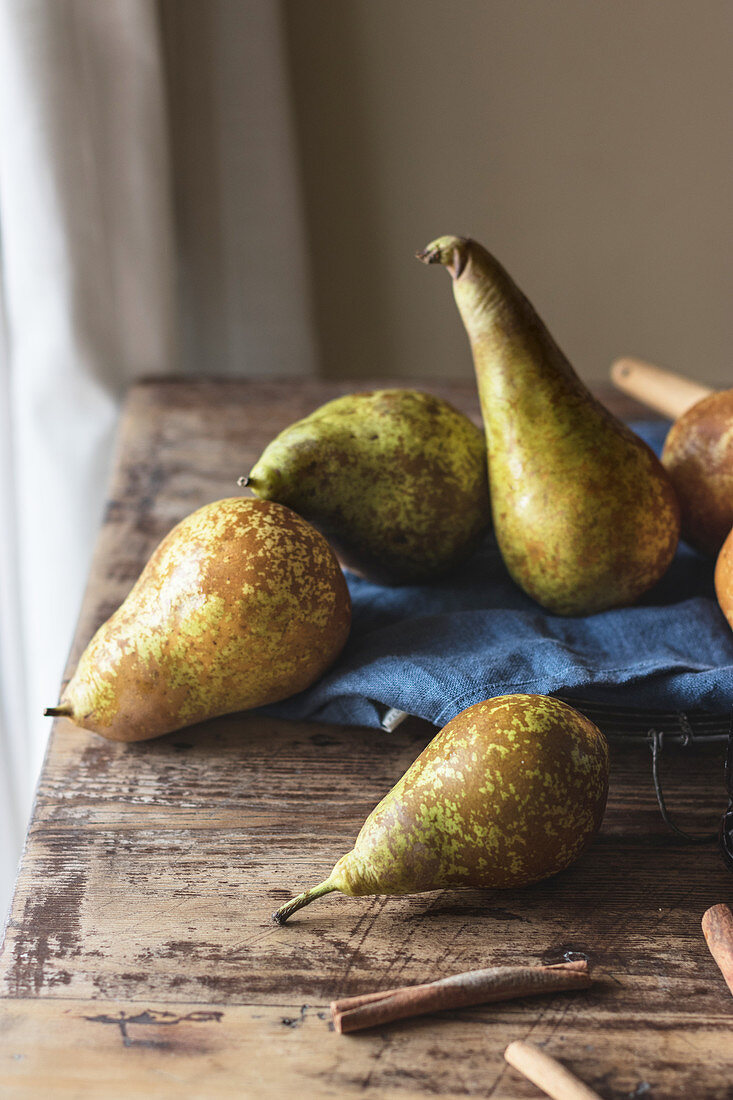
pixel 698 456
pixel 585 515
pixel 395 479
pixel 724 578
pixel 242 604
pixel 509 792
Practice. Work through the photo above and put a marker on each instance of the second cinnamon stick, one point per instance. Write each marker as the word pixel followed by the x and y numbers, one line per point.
pixel 717 927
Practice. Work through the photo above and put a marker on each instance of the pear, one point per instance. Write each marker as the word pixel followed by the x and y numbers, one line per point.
pixel 242 604
pixel 509 792
pixel 698 456
pixel 724 578
pixel 395 479
pixel 585 515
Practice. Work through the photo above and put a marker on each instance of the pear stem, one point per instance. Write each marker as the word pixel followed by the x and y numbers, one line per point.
pixel 290 907
pixel 451 252
pixel 243 482
pixel 64 710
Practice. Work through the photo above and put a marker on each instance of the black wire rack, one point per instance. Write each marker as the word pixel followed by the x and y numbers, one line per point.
pixel 657 728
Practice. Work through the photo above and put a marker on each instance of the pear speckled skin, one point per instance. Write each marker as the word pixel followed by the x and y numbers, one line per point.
pixel 509 792
pixel 698 456
pixel 585 515
pixel 395 479
pixel 242 604
pixel 724 578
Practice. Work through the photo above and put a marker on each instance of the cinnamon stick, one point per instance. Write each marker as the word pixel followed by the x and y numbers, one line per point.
pixel 497 983
pixel 717 927
pixel 546 1072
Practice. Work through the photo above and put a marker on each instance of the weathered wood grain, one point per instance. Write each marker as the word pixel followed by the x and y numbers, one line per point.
pixel 151 871
pixel 147 1050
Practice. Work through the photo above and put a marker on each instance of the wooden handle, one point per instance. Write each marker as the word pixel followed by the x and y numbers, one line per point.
pixel 547 1073
pixel 662 390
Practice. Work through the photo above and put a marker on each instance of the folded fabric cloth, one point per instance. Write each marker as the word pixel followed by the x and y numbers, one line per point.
pixel 434 649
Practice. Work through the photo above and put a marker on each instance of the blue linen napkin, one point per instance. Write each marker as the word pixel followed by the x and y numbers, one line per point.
pixel 432 650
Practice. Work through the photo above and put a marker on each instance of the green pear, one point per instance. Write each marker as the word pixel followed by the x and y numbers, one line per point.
pixel 395 479
pixel 242 604
pixel 510 791
pixel 585 515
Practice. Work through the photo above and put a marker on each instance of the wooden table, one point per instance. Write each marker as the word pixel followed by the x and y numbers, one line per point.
pixel 140 959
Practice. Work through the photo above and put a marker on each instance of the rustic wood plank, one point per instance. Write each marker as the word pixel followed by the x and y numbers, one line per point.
pixel 151 871
pixel 148 1050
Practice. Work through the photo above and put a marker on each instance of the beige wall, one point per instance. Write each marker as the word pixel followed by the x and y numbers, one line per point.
pixel 244 287
pixel 589 144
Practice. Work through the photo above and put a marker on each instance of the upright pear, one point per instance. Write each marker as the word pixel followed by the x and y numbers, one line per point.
pixel 510 791
pixel 395 479
pixel 242 604
pixel 585 515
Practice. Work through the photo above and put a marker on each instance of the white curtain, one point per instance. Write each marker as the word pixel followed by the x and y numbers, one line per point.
pixel 87 281
pixel 92 255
